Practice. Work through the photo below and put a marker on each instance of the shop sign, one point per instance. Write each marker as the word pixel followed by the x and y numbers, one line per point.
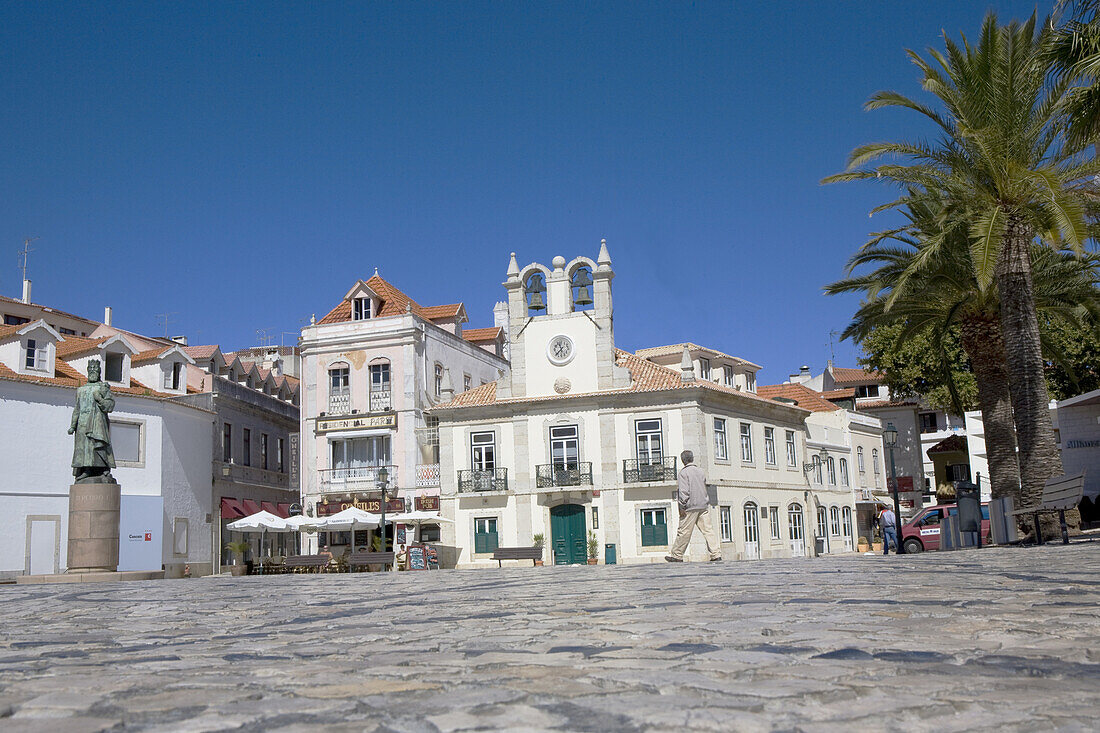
pixel 427 503
pixel 356 422
pixel 294 448
pixel 905 483
pixel 374 506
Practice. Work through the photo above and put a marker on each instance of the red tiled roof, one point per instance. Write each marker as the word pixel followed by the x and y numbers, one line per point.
pixel 200 352
pixel 840 394
pixel 66 376
pixel 678 349
pixel 437 312
pixel 150 355
pixel 482 334
pixel 646 376
pixel 47 309
pixel 950 444
pixel 6 331
pixel 879 404
pixel 394 303
pixel 802 395
pixel 846 375
pixel 74 346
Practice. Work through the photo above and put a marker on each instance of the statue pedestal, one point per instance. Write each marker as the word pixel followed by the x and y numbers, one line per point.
pixel 93 527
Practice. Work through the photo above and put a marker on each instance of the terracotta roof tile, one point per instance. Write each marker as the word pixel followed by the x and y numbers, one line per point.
pixel 66 376
pixel 878 404
pixel 482 334
pixel 74 346
pixel 678 349
pixel 394 303
pixel 840 394
pixel 6 331
pixel 146 356
pixel 436 312
pixel 847 375
pixel 950 444
pixel 200 352
pixel 802 395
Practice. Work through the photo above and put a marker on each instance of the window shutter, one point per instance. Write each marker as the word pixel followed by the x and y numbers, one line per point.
pixel 647 535
pixel 661 533
pixel 480 542
pixel 491 543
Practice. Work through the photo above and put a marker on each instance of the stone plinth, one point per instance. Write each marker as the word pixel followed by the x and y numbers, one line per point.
pixel 93 527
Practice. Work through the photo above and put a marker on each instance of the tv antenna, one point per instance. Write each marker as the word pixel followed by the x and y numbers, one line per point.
pixel 263 338
pixel 25 253
pixel 832 350
pixel 165 318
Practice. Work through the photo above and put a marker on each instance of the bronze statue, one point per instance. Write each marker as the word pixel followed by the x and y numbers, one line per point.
pixel 93 457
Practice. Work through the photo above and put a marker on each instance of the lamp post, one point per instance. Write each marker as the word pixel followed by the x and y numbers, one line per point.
pixel 890 438
pixel 383 477
pixel 811 499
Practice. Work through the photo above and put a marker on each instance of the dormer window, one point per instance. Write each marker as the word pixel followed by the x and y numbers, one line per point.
pixel 750 381
pixel 112 370
pixel 360 309
pixel 704 368
pixel 173 377
pixel 727 375
pixel 37 355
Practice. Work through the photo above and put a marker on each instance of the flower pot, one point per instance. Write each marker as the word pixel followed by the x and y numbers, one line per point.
pixel 592 561
pixel 238 570
pixel 538 563
pixel 863 547
pixel 876 546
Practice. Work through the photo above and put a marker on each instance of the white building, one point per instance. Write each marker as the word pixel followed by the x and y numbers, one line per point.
pixel 161 448
pixel 581 441
pixel 370 370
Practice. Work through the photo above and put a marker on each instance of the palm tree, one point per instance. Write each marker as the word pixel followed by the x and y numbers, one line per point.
pixel 943 297
pixel 1075 57
pixel 1007 173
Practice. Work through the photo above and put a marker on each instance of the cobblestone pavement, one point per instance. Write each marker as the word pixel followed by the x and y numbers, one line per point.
pixel 998 638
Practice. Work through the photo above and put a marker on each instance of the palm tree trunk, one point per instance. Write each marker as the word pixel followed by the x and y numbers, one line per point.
pixel 1039 457
pixel 984 345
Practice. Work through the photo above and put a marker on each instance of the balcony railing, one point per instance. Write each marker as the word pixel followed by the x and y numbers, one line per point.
pixel 571 474
pixel 660 469
pixel 360 478
pixel 495 479
pixel 339 403
pixel 427 474
pixel 380 400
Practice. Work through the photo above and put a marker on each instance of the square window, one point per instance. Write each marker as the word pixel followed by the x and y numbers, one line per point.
pixel 485 535
pixel 654 528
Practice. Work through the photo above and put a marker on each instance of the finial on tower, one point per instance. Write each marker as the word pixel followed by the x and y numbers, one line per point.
pixel 376 272
pixel 687 369
pixel 513 268
pixel 604 259
pixel 558 263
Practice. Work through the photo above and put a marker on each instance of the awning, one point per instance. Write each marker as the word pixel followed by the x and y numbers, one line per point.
pixel 269 507
pixel 232 509
pixel 250 506
pixel 284 510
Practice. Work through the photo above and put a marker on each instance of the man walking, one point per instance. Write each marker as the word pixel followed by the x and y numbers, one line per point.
pixel 691 495
pixel 888 524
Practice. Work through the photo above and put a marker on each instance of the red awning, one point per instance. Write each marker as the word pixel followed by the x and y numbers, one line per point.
pixel 269 507
pixel 250 507
pixel 284 510
pixel 232 509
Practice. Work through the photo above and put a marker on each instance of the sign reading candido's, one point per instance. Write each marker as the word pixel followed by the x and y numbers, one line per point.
pixel 388 420
pixel 374 506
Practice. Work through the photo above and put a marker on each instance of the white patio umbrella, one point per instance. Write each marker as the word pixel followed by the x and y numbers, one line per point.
pixel 417 518
pixel 262 522
pixel 348 520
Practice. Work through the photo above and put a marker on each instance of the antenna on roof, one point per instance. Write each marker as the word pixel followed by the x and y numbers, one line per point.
pixel 165 318
pixel 832 351
pixel 23 255
pixel 263 338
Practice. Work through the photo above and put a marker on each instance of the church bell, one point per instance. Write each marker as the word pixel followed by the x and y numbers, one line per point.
pixel 536 288
pixel 581 281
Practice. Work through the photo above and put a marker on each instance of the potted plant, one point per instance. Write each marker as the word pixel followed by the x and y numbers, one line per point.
pixel 862 544
pixel 538 540
pixel 876 540
pixel 593 548
pixel 238 548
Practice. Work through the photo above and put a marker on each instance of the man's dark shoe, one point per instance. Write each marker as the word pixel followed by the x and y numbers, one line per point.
pixel 716 559
pixel 670 558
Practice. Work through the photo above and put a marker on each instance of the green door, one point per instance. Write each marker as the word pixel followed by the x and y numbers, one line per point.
pixel 567 527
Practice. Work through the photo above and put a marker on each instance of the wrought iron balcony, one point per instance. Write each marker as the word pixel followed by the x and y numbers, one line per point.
pixel 360 478
pixel 380 400
pixel 637 471
pixel 549 475
pixel 495 479
pixel 339 403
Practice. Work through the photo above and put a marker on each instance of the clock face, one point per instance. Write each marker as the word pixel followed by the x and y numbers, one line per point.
pixel 560 350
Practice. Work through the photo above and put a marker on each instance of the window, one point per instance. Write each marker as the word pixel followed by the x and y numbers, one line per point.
pixel 66 331
pixel 379 387
pixel 227 443
pixel 928 422
pixel 752 527
pixel 172 375
pixel 727 375
pixel 438 380
pixel 429 533
pixel 564 447
pixel 339 380
pixel 769 446
pixel 466 382
pixel 359 457
pixel 112 370
pixel 10 320
pixel 725 523
pixel 773 516
pixel 280 460
pixel 704 368
pixel 834 520
pixel 818 479
pixel 37 354
pixel 485 534
pixel 721 449
pixel 843 471
pixel 822 522
pixel 874 459
pixel 126 440
pixel 792 457
pixel 360 309
pixel 654 528
pixel 750 381
pixel 931 519
pixel 859 459
pixel 746 442
pixel 867 390
pixel 832 471
pixel 647 435
pixel 263 450
pixel 246 456
pixel 595 518
pixel 794 521
pixel 483 451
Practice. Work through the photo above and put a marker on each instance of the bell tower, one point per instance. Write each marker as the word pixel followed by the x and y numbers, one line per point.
pixel 560 327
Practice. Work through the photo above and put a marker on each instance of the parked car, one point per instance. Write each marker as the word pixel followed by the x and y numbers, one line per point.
pixel 922 532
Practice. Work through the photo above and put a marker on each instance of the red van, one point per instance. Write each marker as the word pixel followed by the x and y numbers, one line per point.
pixel 922 532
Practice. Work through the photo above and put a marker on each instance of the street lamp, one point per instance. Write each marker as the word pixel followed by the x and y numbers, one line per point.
pixel 890 439
pixel 383 477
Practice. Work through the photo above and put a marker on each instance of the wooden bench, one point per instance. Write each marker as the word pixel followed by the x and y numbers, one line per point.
pixel 1059 494
pixel 316 563
pixel 517 553
pixel 361 559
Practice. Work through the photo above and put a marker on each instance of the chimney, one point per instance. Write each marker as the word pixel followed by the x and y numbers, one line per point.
pixel 804 371
pixel 181 340
pixel 687 369
pixel 108 314
pixel 26 291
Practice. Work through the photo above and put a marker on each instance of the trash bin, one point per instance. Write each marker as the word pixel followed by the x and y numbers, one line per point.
pixel 969 501
pixel 819 546
pixel 609 554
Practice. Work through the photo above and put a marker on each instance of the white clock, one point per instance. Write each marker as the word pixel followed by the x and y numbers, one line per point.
pixel 560 350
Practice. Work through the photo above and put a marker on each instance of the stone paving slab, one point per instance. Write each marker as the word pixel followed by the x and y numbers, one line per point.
pixel 1002 638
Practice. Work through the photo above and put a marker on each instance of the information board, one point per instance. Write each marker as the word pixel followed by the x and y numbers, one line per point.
pixel 418 558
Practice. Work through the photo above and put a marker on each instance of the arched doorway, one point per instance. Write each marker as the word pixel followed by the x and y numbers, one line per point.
pixel 567 540
pixel 752 532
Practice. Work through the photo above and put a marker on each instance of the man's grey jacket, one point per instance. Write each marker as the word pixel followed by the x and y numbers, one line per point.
pixel 691 492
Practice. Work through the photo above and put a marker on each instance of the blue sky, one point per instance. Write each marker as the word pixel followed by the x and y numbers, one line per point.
pixel 240 164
